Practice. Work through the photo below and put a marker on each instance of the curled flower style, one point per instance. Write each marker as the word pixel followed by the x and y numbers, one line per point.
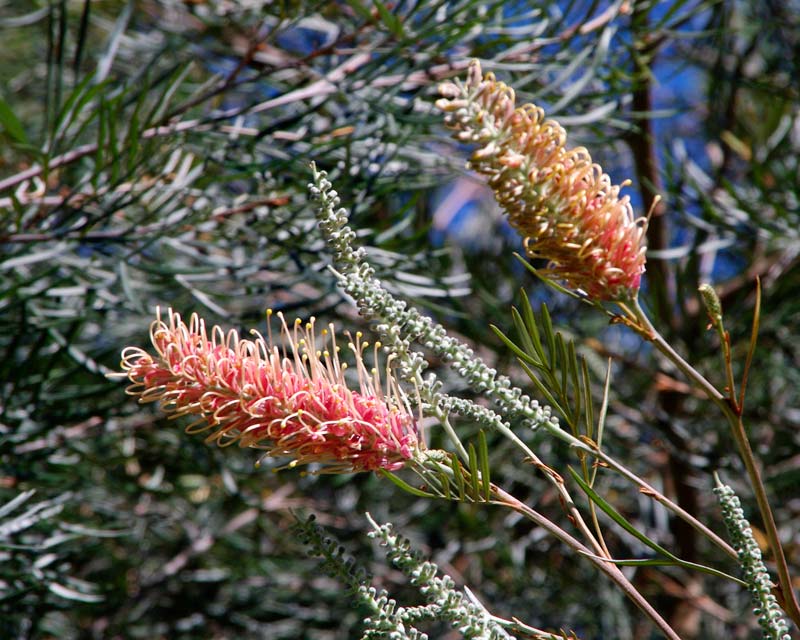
pixel 288 397
pixel 556 198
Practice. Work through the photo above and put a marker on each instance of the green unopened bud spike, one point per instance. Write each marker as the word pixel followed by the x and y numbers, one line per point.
pixel 711 302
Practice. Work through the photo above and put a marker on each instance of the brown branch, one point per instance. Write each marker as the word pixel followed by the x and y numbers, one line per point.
pixel 641 143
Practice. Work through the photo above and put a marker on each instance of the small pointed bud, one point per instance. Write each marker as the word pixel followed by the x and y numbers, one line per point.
pixel 474 75
pixel 448 90
pixel 711 302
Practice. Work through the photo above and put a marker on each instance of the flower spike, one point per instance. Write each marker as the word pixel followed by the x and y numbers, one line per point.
pixel 556 198
pixel 290 401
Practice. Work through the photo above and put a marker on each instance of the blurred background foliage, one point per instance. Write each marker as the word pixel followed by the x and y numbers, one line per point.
pixel 155 152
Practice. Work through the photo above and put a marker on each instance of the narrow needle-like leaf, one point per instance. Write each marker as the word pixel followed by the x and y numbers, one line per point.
pixel 752 348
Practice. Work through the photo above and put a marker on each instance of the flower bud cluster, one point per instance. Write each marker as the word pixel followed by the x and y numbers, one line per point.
pixel 557 199
pixel 755 573
pixel 441 592
pixel 399 324
pixel 289 397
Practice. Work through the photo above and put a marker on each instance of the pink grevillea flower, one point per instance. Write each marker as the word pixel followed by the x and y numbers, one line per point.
pixel 290 399
pixel 559 200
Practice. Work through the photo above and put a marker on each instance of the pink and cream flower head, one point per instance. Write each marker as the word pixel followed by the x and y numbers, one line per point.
pixel 556 198
pixel 289 397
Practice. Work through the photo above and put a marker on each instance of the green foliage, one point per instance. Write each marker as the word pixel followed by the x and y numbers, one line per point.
pixel 157 153
pixel 40 551
pixel 552 364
